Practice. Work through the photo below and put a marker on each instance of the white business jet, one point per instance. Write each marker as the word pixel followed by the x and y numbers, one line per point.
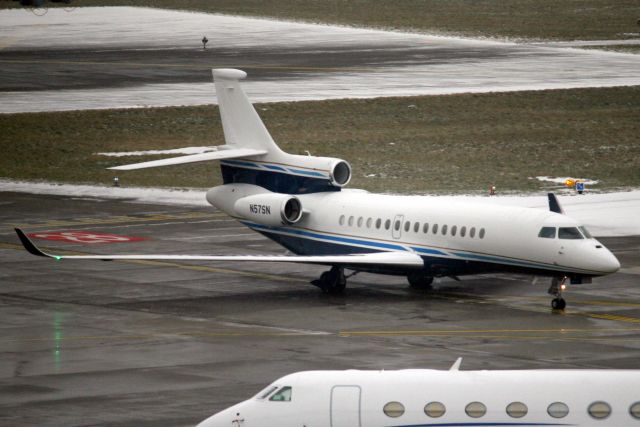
pixel 424 397
pixel 301 203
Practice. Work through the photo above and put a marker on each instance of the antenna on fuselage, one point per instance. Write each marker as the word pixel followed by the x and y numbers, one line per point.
pixel 456 364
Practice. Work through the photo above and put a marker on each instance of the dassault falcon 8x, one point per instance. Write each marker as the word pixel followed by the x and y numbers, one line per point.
pixel 300 202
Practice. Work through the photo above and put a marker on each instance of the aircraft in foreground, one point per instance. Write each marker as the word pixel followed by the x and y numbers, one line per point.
pixel 424 397
pixel 300 202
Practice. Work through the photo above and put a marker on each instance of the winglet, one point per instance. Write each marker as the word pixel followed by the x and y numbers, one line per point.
pixel 456 364
pixel 554 204
pixel 30 246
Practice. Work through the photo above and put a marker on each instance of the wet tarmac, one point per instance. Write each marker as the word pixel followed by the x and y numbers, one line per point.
pixel 169 343
pixel 133 57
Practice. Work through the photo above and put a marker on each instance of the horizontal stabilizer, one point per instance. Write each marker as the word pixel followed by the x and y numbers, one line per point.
pixel 220 154
pixel 403 259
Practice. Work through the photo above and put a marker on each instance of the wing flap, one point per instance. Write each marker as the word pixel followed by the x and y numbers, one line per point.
pixel 220 154
pixel 398 259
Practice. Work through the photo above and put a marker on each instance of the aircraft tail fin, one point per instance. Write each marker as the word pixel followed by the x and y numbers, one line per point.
pixel 554 204
pixel 241 124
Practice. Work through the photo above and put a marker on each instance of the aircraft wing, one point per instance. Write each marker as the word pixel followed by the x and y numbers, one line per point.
pixel 232 153
pixel 401 259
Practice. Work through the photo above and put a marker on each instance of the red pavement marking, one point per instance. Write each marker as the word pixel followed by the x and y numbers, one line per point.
pixel 85 237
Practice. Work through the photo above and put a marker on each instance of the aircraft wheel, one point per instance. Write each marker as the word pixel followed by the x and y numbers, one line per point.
pixel 333 281
pixel 558 304
pixel 419 281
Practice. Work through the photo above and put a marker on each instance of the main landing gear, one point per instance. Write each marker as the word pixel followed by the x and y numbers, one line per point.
pixel 556 288
pixel 332 282
pixel 419 281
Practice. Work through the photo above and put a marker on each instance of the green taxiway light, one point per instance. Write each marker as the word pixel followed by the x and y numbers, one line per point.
pixel 58 258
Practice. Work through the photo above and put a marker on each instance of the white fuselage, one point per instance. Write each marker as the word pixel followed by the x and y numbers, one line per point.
pixel 442 398
pixel 452 236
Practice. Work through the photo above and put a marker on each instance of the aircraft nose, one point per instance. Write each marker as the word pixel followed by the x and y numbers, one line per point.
pixel 608 261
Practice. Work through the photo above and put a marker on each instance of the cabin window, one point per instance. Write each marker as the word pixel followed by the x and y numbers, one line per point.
pixel 454 230
pixel 397 225
pixel 434 409
pixel 547 232
pixel 558 410
pixel 341 220
pixel 463 231
pixel 599 410
pixel 444 229
pixel 416 227
pixel 472 232
pixel 570 233
pixel 434 229
pixel 369 221
pixel 585 232
pixel 393 409
pixel 475 409
pixel 264 394
pixel 360 222
pixel 425 228
pixel 350 221
pixel 517 409
pixel 387 224
pixel 378 223
pixel 481 233
pixel 634 410
pixel 407 226
pixel 283 395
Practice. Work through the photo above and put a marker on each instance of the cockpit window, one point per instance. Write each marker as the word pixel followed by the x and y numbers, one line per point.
pixel 569 233
pixel 267 391
pixel 283 395
pixel 585 232
pixel 547 232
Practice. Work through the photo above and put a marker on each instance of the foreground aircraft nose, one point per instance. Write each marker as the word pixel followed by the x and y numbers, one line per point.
pixel 607 262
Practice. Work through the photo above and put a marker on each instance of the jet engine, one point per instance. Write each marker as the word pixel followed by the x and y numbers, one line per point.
pixel 272 209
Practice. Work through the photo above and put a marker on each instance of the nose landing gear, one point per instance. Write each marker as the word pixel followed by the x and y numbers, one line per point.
pixel 556 289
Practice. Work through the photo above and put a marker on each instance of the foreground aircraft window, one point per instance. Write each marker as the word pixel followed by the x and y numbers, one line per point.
pixel 454 229
pixel 360 222
pixel 634 410
pixel 463 231
pixel 393 409
pixel 558 410
pixel 387 224
pixel 475 409
pixel 517 410
pixel 378 223
pixel 267 392
pixel 444 229
pixel 350 221
pixel 407 226
pixel 416 227
pixel 481 233
pixel 569 233
pixel 599 410
pixel 434 409
pixel 425 228
pixel 369 220
pixel 547 232
pixel 283 395
pixel 341 219
pixel 397 225
pixel 434 229
pixel 585 232
pixel 472 232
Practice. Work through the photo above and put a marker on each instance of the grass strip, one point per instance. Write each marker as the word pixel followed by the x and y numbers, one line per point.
pixel 436 144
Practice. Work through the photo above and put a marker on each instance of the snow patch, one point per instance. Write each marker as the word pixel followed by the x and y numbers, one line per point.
pixel 605 214
pixel 562 180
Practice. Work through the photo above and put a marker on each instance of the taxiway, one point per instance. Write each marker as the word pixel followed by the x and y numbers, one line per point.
pixel 169 343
